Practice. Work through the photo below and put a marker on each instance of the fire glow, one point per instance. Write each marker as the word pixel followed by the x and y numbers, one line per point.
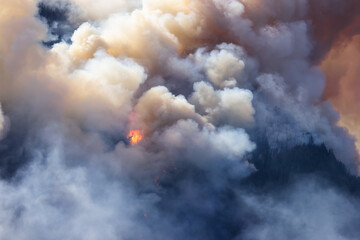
pixel 135 137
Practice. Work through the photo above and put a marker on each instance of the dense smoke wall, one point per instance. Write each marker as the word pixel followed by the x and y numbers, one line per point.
pixel 342 68
pixel 163 119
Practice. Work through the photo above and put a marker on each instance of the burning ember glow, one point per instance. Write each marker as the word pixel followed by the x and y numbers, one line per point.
pixel 135 137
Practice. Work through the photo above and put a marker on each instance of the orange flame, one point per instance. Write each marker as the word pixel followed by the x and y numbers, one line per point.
pixel 135 137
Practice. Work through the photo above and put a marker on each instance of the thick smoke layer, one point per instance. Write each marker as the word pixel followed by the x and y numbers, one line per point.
pixel 342 68
pixel 205 83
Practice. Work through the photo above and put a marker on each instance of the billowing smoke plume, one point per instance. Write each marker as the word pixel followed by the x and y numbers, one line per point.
pixel 342 68
pixel 149 122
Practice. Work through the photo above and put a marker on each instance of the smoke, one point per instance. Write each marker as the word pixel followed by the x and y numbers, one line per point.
pixel 3 124
pixel 205 83
pixel 303 214
pixel 341 67
pixel 224 107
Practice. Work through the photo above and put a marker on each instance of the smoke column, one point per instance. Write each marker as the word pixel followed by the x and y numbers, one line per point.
pixel 166 119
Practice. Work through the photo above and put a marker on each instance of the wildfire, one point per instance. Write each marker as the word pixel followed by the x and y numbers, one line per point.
pixel 135 137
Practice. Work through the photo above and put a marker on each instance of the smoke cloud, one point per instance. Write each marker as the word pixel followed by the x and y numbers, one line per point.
pixel 341 67
pixel 206 85
pixel 2 124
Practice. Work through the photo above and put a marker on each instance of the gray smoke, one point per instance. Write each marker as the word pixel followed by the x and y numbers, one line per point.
pixel 205 83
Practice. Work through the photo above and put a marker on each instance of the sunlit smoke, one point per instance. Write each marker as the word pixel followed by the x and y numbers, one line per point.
pixel 342 68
